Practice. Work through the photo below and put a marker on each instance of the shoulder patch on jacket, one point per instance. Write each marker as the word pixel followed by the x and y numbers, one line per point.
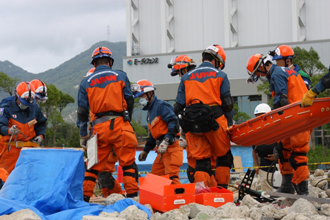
pixel 1 111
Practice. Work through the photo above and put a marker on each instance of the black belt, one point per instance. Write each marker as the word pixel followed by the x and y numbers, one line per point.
pixel 217 110
pixel 109 113
pixel 100 120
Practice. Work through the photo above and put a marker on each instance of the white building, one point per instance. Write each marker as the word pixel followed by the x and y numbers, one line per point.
pixel 160 29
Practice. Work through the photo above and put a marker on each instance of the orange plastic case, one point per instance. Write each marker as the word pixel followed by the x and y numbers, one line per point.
pixel 217 197
pixel 281 123
pixel 162 195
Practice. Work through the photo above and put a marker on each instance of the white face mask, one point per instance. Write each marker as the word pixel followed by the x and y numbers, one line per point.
pixel 23 107
pixel 143 101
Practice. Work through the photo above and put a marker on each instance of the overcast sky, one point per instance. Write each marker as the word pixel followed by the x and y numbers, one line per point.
pixel 38 35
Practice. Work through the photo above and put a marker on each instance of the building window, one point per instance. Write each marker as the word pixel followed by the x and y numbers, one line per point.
pixel 247 104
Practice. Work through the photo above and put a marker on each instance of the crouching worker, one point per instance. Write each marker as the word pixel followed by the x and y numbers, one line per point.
pixel 164 132
pixel 22 124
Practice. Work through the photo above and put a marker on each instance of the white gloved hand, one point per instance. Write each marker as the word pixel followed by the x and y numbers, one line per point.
pixel 182 142
pixel 83 141
pixel 14 130
pixel 37 139
pixel 163 147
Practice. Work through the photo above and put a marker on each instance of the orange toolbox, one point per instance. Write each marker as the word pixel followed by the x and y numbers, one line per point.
pixel 164 196
pixel 281 123
pixel 217 197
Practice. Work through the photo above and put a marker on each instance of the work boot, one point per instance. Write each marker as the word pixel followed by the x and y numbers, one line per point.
pixel 286 185
pixel 303 188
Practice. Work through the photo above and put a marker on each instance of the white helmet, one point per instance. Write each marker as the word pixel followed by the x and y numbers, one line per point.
pixel 262 109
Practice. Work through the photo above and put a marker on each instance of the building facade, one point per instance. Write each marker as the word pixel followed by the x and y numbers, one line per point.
pixel 157 30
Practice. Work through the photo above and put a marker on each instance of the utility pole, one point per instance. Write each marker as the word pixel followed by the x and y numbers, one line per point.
pixel 108 33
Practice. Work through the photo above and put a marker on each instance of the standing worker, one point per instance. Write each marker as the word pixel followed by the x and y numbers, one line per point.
pixel 207 89
pixel 164 132
pixel 108 95
pixel 22 124
pixel 90 175
pixel 180 65
pixel 286 86
pixel 264 152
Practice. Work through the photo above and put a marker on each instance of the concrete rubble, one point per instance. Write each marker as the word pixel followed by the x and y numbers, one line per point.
pixel 249 208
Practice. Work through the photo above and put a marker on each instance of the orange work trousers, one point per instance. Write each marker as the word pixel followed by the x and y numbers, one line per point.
pixel 298 144
pixel 207 145
pixel 170 163
pixel 8 159
pixel 89 182
pixel 192 164
pixel 122 140
pixel 3 174
pixel 110 167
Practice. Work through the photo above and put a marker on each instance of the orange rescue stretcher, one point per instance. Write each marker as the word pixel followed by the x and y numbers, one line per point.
pixel 281 123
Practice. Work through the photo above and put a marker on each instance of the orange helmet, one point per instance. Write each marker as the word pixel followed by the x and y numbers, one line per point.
pixel 218 53
pixel 282 52
pixel 253 64
pixel 89 72
pixel 141 87
pixel 101 52
pixel 25 93
pixel 181 62
pixel 40 90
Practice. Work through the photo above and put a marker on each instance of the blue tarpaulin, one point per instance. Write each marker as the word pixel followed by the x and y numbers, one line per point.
pixel 246 155
pixel 49 182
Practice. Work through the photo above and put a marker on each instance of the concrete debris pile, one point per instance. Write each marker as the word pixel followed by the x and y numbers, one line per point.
pixel 249 208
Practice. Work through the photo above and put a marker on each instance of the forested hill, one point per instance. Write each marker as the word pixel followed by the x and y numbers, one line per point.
pixel 68 75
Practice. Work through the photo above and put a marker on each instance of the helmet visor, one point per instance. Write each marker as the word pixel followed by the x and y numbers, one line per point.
pixel 27 98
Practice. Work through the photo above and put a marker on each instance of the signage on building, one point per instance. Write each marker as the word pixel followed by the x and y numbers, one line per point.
pixel 143 61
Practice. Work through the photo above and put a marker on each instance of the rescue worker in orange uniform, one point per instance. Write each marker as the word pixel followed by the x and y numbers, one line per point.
pixel 205 91
pixel 90 176
pixel 107 94
pixel 22 124
pixel 164 132
pixel 287 87
pixel 180 65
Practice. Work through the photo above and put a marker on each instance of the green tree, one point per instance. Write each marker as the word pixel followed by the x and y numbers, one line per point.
pixel 55 120
pixel 8 84
pixel 53 98
pixel 138 129
pixel 239 117
pixel 56 100
pixel 64 100
pixel 74 140
pixel 308 61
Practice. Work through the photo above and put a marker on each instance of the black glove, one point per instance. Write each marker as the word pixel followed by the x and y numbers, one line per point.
pixel 278 152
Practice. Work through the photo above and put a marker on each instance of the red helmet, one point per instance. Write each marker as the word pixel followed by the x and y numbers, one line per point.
pixel 40 90
pixel 25 93
pixel 141 87
pixel 253 64
pixel 181 62
pixel 101 52
pixel 89 72
pixel 218 53
pixel 283 51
